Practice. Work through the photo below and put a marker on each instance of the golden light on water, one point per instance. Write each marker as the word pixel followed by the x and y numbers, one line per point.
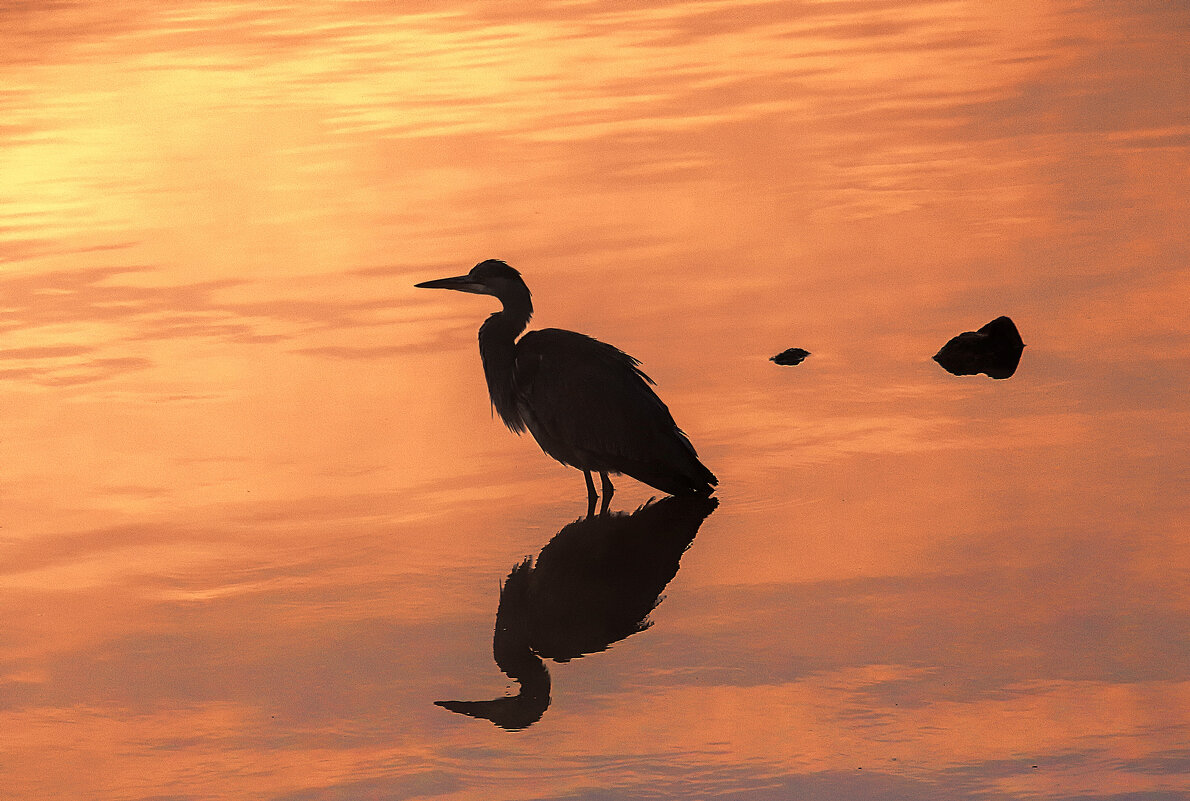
pixel 255 511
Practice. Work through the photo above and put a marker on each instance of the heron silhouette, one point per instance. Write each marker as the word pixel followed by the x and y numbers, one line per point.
pixel 594 584
pixel 587 404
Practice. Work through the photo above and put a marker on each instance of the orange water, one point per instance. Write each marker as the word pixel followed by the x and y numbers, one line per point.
pixel 254 509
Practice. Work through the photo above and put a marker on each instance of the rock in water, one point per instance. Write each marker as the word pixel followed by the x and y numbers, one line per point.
pixel 994 350
pixel 791 356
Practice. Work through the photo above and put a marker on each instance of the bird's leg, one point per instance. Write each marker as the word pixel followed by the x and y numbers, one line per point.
pixel 592 496
pixel 608 489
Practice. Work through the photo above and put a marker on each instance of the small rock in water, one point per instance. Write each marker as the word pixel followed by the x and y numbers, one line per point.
pixel 791 356
pixel 994 350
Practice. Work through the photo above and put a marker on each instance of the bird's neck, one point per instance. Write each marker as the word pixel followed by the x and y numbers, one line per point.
pixel 497 349
pixel 517 311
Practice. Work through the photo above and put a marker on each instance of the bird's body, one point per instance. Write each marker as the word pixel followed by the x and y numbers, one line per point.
pixel 586 403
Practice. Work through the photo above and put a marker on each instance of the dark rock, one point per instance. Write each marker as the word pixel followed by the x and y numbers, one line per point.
pixel 791 356
pixel 994 350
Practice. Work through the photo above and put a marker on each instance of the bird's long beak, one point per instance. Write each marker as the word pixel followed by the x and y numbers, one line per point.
pixel 462 283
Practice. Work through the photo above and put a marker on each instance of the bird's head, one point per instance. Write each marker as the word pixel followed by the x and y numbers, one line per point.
pixel 491 277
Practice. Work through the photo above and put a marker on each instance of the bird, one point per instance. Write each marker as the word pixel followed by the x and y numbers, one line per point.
pixel 588 404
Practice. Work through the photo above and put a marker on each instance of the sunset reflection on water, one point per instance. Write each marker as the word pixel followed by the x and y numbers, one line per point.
pixel 255 511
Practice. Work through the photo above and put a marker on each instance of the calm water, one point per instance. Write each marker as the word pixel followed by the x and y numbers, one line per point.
pixel 255 514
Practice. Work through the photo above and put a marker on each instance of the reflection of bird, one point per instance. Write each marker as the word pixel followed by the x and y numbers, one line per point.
pixel 593 584
pixel 586 403
pixel 513 651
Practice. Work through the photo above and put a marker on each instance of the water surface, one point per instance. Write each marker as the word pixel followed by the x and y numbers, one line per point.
pixel 255 512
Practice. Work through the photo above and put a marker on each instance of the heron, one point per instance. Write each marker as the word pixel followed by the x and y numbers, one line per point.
pixel 588 404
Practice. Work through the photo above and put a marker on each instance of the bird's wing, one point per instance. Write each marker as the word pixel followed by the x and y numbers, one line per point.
pixel 589 396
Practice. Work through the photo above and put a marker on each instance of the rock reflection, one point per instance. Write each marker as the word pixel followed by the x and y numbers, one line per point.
pixel 592 585
pixel 994 350
pixel 790 357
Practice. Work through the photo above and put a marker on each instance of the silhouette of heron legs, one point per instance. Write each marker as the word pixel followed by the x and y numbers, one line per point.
pixel 592 495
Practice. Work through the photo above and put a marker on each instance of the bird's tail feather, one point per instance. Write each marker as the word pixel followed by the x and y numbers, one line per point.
pixel 691 478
